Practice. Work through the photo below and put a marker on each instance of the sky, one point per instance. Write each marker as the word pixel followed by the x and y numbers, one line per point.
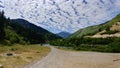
pixel 62 15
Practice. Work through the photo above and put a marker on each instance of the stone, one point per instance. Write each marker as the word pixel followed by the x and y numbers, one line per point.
pixel 1 66
pixel 10 54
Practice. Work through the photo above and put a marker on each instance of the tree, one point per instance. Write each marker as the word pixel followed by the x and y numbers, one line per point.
pixel 2 21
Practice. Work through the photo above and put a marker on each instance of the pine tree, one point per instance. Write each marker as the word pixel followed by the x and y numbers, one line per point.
pixel 2 21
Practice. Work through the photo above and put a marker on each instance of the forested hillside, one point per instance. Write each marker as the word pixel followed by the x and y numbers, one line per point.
pixel 12 32
pixel 46 34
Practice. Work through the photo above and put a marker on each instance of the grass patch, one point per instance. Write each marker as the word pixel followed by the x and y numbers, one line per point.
pixel 24 54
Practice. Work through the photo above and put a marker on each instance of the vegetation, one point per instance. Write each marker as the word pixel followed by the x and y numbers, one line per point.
pixel 44 33
pixel 83 40
pixel 13 40
pixel 23 54
pixel 110 44
pixel 86 31
pixel 2 20
pixel 97 28
pixel 12 32
pixel 110 32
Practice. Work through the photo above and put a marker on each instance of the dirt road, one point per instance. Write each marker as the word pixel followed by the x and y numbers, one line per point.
pixel 68 59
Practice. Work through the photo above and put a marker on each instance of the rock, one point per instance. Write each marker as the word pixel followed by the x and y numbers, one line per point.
pixel 10 54
pixel 1 66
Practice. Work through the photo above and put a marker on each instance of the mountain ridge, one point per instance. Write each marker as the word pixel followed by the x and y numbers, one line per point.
pixel 42 31
pixel 27 24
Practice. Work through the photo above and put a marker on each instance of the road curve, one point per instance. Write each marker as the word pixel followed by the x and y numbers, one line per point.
pixel 68 59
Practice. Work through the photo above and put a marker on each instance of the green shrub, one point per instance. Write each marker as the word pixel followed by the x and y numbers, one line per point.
pixel 115 46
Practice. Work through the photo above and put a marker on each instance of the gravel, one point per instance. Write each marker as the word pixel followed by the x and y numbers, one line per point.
pixel 73 59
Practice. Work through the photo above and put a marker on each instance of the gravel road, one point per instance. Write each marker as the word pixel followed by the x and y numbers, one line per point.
pixel 72 59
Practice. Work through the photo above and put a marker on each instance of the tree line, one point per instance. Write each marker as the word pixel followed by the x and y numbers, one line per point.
pixel 110 44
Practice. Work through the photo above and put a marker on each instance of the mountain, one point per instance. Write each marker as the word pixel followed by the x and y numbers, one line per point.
pixel 15 31
pixel 67 15
pixel 64 34
pixel 108 29
pixel 48 35
pixel 29 25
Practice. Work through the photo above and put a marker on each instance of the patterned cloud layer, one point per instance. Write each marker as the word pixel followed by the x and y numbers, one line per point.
pixel 62 15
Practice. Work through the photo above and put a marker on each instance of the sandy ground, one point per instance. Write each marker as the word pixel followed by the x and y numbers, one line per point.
pixel 68 59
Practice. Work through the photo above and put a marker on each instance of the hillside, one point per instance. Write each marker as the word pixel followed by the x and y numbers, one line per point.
pixel 48 35
pixel 12 32
pixel 27 24
pixel 102 38
pixel 111 28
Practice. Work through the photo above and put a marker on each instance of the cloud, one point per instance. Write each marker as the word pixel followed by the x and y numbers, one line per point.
pixel 63 15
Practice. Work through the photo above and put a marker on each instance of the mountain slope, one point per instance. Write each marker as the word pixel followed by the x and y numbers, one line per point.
pixel 67 15
pixel 12 32
pixel 64 34
pixel 47 35
pixel 27 24
pixel 110 27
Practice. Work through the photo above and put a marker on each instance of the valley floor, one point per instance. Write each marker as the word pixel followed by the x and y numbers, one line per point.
pixel 68 59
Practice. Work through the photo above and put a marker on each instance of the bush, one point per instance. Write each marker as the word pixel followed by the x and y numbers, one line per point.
pixel 90 44
pixel 7 42
pixel 115 47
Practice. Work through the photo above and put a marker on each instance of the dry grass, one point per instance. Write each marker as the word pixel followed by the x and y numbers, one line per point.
pixel 24 54
pixel 116 26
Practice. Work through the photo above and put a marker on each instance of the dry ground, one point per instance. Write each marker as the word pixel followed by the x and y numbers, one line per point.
pixel 69 59
pixel 23 55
